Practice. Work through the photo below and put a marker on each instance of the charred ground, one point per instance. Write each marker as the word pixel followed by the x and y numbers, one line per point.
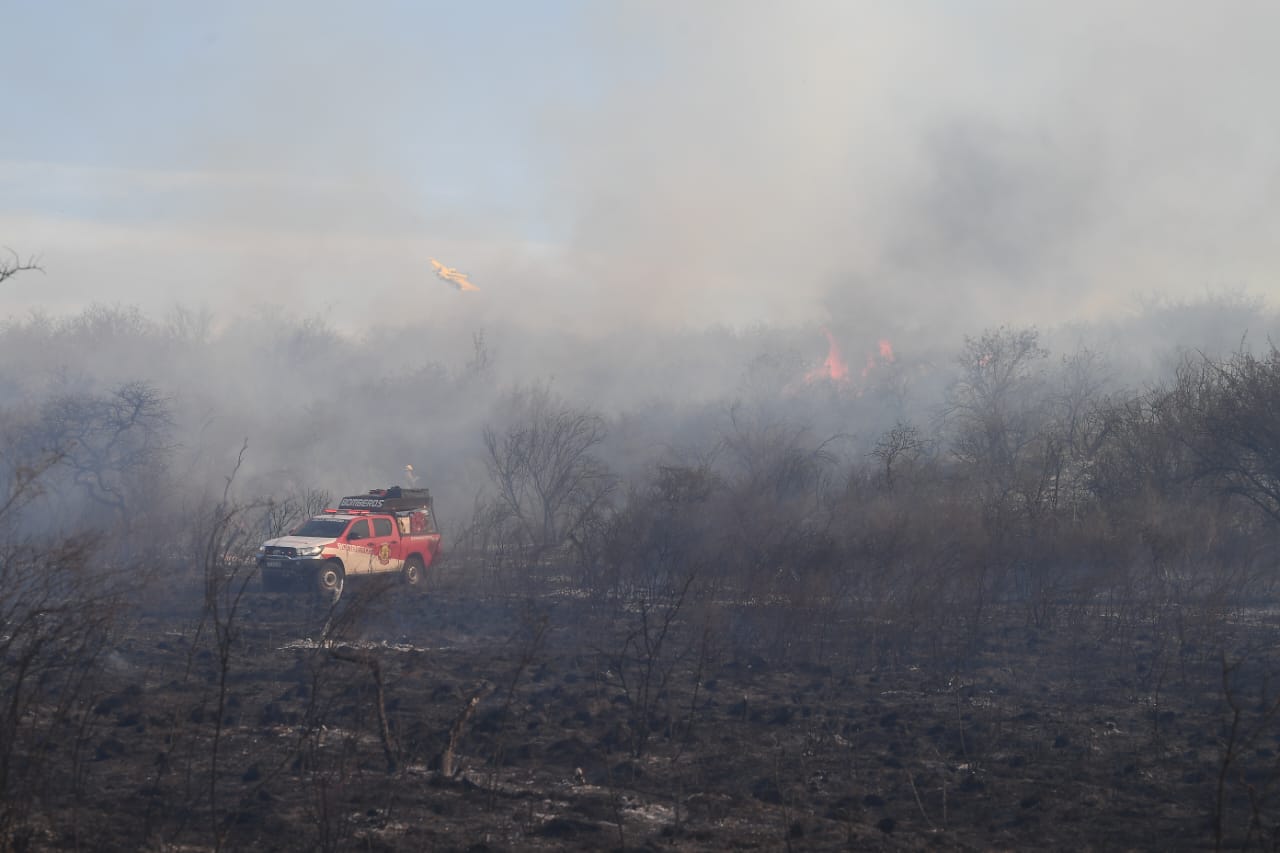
pixel 572 730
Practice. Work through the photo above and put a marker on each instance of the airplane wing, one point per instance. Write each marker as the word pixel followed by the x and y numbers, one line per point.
pixel 455 277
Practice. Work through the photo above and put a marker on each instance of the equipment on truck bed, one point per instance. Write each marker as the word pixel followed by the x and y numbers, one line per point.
pixel 394 499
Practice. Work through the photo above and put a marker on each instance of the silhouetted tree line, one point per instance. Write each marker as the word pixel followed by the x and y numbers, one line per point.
pixel 1035 486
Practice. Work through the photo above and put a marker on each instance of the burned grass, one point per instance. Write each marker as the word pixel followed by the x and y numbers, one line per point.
pixel 545 724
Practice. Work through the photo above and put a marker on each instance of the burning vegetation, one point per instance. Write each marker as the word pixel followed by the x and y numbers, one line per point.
pixel 835 369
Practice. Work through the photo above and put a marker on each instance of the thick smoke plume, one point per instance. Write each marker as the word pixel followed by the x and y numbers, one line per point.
pixel 746 165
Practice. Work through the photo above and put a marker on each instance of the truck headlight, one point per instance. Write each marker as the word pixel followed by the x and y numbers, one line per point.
pixel 310 551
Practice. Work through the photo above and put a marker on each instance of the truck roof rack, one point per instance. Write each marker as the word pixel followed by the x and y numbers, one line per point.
pixel 394 499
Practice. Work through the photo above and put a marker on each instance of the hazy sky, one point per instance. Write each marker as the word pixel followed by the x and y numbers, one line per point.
pixel 594 165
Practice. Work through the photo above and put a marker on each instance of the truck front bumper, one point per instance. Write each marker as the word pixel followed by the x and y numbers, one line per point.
pixel 290 567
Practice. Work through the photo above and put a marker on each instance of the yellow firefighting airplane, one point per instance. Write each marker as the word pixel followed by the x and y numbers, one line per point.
pixel 455 277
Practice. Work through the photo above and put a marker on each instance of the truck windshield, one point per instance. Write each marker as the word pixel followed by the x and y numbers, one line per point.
pixel 330 528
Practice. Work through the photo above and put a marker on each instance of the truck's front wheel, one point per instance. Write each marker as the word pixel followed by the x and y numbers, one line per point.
pixel 414 573
pixel 330 579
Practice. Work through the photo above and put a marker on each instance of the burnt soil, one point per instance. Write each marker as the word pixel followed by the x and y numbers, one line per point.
pixel 585 735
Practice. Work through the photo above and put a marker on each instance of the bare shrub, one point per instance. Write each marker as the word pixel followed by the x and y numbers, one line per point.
pixel 57 613
pixel 1223 413
pixel 113 446
pixel 1245 807
pixel 542 463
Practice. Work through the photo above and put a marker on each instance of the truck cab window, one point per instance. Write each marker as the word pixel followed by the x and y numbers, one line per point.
pixel 381 527
pixel 359 530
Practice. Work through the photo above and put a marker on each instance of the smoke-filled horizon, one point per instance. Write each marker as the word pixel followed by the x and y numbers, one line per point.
pixel 603 170
pixel 317 407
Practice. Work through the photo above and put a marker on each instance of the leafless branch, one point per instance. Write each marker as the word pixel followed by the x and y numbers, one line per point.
pixel 10 268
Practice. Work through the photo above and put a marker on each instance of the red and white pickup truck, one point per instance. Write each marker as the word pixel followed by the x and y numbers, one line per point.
pixel 387 531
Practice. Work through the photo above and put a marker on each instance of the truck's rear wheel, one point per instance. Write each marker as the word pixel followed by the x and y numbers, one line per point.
pixel 330 578
pixel 414 573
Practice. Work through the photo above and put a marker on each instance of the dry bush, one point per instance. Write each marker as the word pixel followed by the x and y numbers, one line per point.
pixel 58 611
pixel 541 460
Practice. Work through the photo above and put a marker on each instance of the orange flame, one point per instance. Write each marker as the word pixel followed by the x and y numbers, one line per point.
pixel 834 367
pixel 885 350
